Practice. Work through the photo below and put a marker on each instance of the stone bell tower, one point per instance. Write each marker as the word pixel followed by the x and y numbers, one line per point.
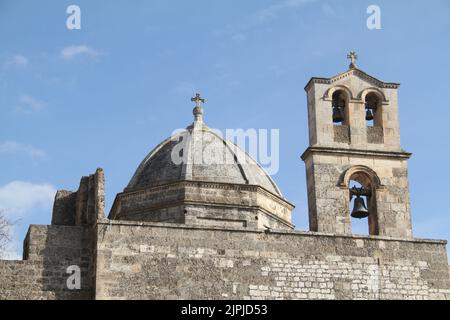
pixel 354 137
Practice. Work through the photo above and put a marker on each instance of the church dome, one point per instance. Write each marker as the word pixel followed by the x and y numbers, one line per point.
pixel 197 177
pixel 198 153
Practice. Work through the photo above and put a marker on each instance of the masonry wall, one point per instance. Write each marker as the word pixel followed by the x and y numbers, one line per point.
pixel 81 207
pixel 48 251
pixel 329 205
pixel 204 203
pixel 167 261
pixel 355 87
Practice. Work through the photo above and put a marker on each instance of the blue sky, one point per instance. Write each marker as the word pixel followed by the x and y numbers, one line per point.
pixel 105 95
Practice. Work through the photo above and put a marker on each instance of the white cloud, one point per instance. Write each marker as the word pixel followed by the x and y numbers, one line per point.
pixel 18 61
pixel 18 201
pixel 69 52
pixel 14 148
pixel 18 198
pixel 12 251
pixel 28 104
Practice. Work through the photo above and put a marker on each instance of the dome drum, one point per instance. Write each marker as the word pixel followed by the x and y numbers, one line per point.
pixel 205 203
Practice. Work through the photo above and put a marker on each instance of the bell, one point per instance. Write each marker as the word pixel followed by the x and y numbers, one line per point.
pixel 359 209
pixel 369 114
pixel 337 115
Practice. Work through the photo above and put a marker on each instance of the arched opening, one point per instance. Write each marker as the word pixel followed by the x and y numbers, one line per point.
pixel 374 119
pixel 340 114
pixel 373 110
pixel 339 105
pixel 362 204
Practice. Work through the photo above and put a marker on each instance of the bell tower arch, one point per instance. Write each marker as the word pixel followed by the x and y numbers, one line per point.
pixel 354 135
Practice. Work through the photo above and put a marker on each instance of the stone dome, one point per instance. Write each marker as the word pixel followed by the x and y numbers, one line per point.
pixel 197 177
pixel 200 154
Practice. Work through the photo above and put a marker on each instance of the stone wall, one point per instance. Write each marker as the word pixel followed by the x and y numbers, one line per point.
pixel 168 261
pixel 48 252
pixel 64 208
pixel 355 86
pixel 335 149
pixel 83 206
pixel 341 133
pixel 329 198
pixel 375 134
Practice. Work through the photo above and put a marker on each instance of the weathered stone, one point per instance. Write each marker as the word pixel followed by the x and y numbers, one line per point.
pixel 64 208
pixel 341 134
pixel 375 134
pixel 341 271
pixel 218 184
pixel 371 155
pixel 202 231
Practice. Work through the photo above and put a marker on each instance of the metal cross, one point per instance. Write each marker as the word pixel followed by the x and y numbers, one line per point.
pixel 198 100
pixel 353 57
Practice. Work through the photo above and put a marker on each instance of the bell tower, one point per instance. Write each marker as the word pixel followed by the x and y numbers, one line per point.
pixel 354 163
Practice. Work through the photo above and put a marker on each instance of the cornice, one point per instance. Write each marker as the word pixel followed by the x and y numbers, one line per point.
pixel 357 72
pixel 181 185
pixel 355 152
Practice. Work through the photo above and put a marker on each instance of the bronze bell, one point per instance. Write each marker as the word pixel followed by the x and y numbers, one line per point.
pixel 369 114
pixel 337 115
pixel 359 209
